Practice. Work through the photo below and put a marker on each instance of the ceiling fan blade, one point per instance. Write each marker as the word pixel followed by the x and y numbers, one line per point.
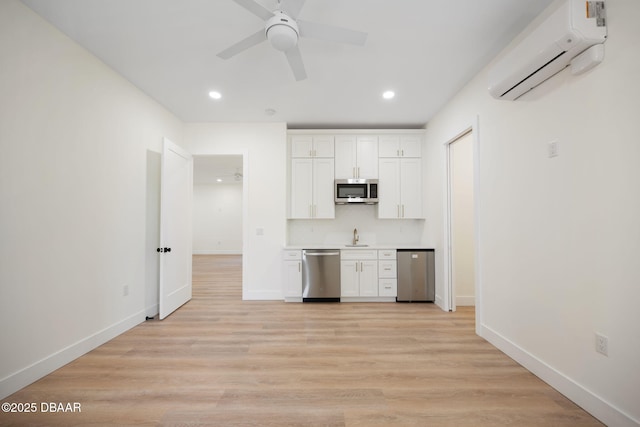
pixel 331 33
pixel 255 8
pixel 296 64
pixel 293 7
pixel 242 45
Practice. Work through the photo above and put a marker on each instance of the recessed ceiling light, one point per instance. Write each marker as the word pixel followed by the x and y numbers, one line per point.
pixel 219 180
pixel 388 94
pixel 215 95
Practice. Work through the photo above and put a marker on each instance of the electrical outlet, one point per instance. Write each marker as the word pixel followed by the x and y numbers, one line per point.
pixel 553 148
pixel 125 290
pixel 602 344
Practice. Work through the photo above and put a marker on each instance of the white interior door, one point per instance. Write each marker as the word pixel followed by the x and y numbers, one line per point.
pixel 175 228
pixel 462 217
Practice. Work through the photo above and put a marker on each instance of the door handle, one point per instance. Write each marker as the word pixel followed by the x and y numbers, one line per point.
pixel 162 250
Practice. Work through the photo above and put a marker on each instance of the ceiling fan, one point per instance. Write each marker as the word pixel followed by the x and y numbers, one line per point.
pixel 284 29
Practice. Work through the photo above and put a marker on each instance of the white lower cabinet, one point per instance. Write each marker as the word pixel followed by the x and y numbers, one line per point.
pixel 359 273
pixel 388 287
pixel 387 273
pixel 292 275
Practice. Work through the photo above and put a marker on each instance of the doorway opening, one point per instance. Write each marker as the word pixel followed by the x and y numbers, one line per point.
pixel 218 207
pixel 462 287
pixel 217 204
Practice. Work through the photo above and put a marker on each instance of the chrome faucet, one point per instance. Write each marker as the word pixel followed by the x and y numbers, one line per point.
pixel 355 236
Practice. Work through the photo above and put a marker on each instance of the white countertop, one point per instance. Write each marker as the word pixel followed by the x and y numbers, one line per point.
pixel 343 247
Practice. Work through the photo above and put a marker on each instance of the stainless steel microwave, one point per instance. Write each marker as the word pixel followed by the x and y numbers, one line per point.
pixel 356 190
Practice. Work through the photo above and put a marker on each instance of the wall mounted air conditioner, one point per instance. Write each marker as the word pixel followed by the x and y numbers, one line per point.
pixel 576 28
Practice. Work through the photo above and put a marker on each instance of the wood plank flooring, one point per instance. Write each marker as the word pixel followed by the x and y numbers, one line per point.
pixel 220 361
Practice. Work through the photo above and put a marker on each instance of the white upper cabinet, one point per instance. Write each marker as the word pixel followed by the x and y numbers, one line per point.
pixel 303 146
pixel 356 156
pixel 400 146
pixel 400 188
pixel 312 188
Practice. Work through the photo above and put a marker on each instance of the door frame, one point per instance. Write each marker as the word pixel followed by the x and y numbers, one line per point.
pixel 449 291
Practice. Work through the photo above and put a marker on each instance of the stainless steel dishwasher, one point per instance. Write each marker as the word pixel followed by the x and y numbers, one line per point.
pixel 321 275
pixel 416 275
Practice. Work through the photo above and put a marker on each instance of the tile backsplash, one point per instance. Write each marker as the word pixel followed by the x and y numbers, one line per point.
pixel 339 231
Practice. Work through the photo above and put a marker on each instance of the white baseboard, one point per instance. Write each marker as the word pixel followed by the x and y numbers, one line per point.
pixel 595 405
pixel 152 310
pixel 39 369
pixel 218 252
pixel 466 301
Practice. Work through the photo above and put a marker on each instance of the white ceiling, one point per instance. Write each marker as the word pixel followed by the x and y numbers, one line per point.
pixel 424 50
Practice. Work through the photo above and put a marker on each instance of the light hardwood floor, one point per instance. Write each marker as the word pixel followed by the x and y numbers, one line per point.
pixel 219 361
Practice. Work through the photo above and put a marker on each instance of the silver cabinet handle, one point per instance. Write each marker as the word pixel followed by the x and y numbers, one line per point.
pixel 402 211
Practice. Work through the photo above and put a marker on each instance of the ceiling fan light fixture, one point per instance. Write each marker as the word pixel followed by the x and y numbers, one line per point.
pixel 282 32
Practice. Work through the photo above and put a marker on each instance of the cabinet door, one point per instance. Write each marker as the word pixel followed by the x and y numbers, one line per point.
pixel 389 188
pixel 388 287
pixel 410 146
pixel 323 146
pixel 368 278
pixel 301 188
pixel 389 146
pixel 387 268
pixel 345 156
pixel 292 279
pixel 301 146
pixel 411 188
pixel 323 187
pixel 367 157
pixel 349 278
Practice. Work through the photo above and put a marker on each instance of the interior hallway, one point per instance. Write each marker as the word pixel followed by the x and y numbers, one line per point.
pixel 220 361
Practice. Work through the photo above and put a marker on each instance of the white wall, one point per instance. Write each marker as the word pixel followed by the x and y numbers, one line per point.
pixel 560 237
pixel 263 146
pixel 217 219
pixel 74 138
pixel 339 231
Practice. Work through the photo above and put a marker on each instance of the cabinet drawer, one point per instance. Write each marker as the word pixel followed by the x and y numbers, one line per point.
pixel 291 255
pixel 357 254
pixel 387 269
pixel 387 254
pixel 387 287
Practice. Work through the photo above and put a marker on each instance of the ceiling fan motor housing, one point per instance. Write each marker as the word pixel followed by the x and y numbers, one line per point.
pixel 282 31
